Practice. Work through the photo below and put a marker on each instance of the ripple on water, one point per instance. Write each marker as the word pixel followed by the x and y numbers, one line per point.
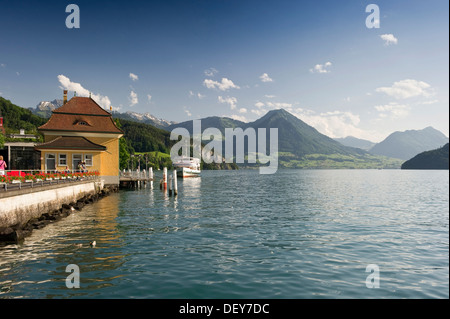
pixel 244 235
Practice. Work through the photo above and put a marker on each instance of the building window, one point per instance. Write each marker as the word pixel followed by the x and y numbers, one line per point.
pixel 62 159
pixel 76 159
pixel 50 162
pixel 88 159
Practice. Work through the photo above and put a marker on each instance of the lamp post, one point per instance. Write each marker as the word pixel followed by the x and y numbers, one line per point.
pixel 139 162
pixel 146 159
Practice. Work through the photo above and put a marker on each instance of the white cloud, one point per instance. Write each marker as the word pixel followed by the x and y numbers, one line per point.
pixel 67 84
pixel 278 105
pixel 406 89
pixel 269 96
pixel 259 104
pixel 430 102
pixel 263 108
pixel 149 98
pixel 259 112
pixel 231 101
pixel 393 110
pixel 134 77
pixel 3 65
pixel 238 118
pixel 18 73
pixel 333 124
pixel 273 105
pixel 265 78
pixel 321 68
pixel 210 72
pixel 198 95
pixel 389 39
pixel 243 110
pixel 188 113
pixel 133 98
pixel 224 85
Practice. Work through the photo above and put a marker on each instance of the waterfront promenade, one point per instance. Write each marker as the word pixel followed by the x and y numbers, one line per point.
pixel 25 206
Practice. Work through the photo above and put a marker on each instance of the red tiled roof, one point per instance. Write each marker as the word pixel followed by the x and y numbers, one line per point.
pixel 70 143
pixel 82 105
pixel 81 114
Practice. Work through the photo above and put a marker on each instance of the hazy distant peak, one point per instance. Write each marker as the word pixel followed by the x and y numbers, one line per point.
pixel 142 117
pixel 49 105
pixel 407 144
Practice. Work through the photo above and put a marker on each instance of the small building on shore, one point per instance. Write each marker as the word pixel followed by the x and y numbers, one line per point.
pixel 81 131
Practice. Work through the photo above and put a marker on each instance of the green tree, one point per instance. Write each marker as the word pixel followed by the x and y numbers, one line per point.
pixel 2 140
pixel 124 154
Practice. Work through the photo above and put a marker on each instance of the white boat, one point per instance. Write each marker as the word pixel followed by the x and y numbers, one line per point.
pixel 187 166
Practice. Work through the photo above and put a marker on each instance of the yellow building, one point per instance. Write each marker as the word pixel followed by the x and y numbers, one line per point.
pixel 81 131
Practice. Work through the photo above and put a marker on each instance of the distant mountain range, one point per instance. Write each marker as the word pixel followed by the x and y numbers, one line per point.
pixel 45 108
pixel 355 142
pixel 435 159
pixel 294 135
pixel 402 145
pixel 145 118
pixel 407 144
pixel 301 145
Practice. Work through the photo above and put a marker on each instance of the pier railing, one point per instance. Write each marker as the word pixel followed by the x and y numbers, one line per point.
pixel 136 175
pixel 18 179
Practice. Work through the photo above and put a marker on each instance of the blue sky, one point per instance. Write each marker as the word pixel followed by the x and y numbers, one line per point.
pixel 183 60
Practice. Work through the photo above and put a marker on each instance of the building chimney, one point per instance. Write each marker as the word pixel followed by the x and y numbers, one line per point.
pixel 65 97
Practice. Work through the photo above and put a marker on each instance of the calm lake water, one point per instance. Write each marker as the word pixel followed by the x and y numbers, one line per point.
pixel 237 234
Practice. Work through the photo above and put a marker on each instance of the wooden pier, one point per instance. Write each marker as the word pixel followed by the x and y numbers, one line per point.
pixel 135 179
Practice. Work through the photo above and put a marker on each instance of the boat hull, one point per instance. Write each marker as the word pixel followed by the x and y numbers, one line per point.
pixel 187 172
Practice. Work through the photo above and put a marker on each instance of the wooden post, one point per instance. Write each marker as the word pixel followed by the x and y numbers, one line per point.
pixel 150 175
pixel 175 184
pixel 165 178
pixel 144 180
pixel 170 185
pixel 138 183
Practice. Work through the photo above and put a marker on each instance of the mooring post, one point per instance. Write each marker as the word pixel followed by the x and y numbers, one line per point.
pixel 175 183
pixel 170 185
pixel 150 175
pixel 165 178
pixel 144 180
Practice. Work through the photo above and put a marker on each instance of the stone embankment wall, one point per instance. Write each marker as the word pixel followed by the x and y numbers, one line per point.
pixel 25 210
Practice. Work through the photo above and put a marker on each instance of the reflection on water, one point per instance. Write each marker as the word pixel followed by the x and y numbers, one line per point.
pixel 62 243
pixel 238 234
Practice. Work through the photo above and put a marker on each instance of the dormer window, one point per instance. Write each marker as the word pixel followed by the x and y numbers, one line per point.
pixel 82 122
